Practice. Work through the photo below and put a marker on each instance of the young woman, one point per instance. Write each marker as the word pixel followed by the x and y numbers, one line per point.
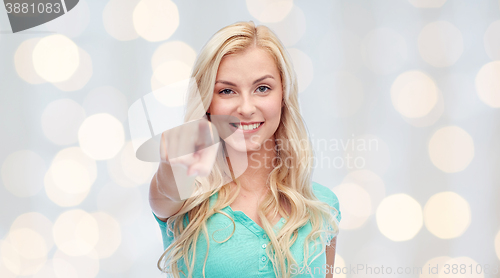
pixel 272 220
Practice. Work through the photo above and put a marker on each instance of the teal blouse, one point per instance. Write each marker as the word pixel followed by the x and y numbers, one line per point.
pixel 244 254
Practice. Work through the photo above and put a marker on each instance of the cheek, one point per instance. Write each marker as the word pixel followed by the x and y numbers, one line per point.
pixel 274 111
pixel 217 107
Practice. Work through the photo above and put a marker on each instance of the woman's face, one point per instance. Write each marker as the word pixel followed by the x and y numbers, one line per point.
pixel 248 88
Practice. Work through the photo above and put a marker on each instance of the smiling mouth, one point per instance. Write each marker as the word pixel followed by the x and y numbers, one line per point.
pixel 247 127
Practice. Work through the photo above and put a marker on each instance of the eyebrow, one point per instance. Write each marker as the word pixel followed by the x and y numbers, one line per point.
pixel 255 82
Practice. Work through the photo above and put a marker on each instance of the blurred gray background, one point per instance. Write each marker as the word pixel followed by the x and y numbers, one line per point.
pixel 401 100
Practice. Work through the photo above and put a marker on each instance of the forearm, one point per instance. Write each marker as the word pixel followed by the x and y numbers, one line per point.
pixel 330 256
pixel 165 182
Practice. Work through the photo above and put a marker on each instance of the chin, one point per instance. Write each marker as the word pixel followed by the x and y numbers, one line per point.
pixel 236 145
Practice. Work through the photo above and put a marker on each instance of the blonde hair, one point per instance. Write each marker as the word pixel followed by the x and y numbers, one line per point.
pixel 288 184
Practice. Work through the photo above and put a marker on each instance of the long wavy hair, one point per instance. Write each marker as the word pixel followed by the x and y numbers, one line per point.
pixel 289 184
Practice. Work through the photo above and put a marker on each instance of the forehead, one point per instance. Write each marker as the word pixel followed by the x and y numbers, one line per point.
pixel 248 65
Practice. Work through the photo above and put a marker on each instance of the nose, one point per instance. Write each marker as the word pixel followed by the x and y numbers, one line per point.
pixel 246 107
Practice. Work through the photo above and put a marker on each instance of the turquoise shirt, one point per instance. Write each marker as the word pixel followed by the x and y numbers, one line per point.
pixel 244 254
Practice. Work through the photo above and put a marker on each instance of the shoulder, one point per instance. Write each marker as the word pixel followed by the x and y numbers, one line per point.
pixel 326 195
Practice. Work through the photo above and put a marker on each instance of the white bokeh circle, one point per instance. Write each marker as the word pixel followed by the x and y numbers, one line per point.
pixel 440 44
pixel 37 222
pixel 117 19
pixel 70 176
pixel 399 217
pixel 173 51
pixel 155 20
pixel 447 215
pixel 76 232
pixel 357 209
pixel 59 196
pixel 414 94
pixel 168 73
pixel 59 193
pixel 15 262
pixel 56 58
pixel 62 268
pixel 101 136
pixel 28 243
pixel 85 266
pixel 488 84
pixel 451 149
pixel 110 235
pixel 81 76
pixel 371 183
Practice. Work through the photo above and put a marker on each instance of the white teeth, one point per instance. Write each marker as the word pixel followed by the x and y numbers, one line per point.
pixel 247 127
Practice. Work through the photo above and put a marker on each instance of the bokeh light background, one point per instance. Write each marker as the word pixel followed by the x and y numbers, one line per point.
pixel 420 79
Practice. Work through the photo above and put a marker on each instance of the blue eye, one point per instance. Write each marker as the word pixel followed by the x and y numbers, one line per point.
pixel 263 89
pixel 225 90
